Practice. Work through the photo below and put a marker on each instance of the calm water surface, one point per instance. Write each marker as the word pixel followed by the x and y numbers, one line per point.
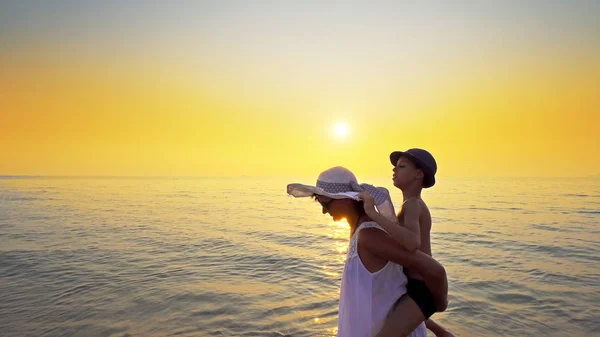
pixel 238 257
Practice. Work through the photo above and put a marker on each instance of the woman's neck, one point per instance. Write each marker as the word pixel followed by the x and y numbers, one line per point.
pixel 355 220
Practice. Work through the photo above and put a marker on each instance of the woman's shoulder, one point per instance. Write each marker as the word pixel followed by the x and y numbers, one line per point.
pixel 370 224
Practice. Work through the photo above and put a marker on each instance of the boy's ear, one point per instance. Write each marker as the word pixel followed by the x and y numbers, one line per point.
pixel 420 174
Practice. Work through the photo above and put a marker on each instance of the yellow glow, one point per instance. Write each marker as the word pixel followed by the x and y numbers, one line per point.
pixel 341 130
pixel 59 121
pixel 247 114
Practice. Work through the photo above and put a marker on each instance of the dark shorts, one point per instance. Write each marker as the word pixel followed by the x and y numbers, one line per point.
pixel 418 291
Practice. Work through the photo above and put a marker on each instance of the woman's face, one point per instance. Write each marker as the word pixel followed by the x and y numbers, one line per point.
pixel 325 202
pixel 337 208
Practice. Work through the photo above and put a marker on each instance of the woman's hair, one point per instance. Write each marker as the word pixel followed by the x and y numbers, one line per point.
pixel 360 207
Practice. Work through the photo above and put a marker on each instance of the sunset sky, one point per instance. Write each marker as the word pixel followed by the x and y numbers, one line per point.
pixel 256 88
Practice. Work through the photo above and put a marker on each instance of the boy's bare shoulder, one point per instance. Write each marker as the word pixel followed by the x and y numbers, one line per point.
pixel 414 203
pixel 423 205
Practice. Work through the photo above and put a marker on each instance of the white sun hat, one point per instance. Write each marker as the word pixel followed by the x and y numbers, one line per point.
pixel 340 183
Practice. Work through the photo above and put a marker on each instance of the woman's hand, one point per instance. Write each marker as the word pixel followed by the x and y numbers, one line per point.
pixel 368 201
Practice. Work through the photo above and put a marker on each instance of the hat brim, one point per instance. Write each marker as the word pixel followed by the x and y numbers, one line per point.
pixel 428 179
pixel 303 191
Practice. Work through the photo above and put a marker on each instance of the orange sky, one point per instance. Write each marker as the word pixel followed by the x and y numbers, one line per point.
pixel 261 96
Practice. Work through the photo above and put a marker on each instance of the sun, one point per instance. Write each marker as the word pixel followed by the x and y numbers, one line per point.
pixel 340 130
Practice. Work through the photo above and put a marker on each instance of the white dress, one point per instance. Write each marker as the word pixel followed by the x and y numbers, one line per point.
pixel 366 298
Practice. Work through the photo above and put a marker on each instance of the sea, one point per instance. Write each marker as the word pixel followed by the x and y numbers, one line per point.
pixel 237 256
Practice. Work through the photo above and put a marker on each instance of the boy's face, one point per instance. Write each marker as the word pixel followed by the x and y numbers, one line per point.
pixel 405 172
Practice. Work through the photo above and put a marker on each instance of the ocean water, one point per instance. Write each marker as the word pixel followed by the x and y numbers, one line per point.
pixel 238 257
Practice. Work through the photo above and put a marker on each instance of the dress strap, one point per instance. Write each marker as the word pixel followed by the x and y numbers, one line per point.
pixel 352 247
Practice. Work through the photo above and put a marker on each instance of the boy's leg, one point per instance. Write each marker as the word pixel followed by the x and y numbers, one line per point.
pixel 434 276
pixel 438 287
pixel 404 318
pixel 437 329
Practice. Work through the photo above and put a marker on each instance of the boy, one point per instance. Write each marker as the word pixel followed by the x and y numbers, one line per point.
pixel 414 170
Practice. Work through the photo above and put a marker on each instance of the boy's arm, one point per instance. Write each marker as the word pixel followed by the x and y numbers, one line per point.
pixel 408 236
pixel 412 212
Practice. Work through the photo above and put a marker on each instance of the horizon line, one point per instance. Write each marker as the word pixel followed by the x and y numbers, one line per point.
pixel 9 176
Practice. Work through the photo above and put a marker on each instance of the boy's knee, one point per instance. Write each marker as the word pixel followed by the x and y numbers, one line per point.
pixel 442 273
pixel 442 292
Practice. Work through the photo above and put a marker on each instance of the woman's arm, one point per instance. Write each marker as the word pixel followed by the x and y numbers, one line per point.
pixel 409 235
pixel 433 273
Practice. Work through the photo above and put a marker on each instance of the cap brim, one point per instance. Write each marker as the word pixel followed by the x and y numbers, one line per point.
pixel 303 191
pixel 428 180
pixel 394 156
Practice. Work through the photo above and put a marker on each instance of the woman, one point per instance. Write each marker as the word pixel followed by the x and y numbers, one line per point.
pixel 373 279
